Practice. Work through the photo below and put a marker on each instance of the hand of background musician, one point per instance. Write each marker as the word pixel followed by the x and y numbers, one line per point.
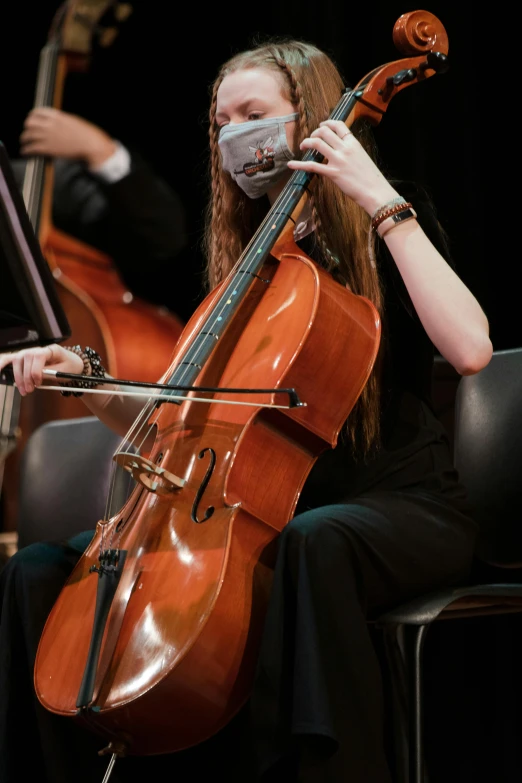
pixel 29 363
pixel 56 133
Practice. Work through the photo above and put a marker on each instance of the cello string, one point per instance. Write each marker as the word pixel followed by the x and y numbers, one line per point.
pixel 264 231
pixel 116 471
pixel 259 237
pixel 129 441
pixel 287 193
pixel 130 438
pixel 170 396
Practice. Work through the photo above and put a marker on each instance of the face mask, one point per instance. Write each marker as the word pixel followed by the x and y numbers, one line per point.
pixel 255 153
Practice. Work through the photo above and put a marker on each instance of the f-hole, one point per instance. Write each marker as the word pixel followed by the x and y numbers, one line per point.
pixel 203 486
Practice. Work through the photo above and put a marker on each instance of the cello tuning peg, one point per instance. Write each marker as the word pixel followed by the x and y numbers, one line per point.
pixel 436 60
pixel 122 11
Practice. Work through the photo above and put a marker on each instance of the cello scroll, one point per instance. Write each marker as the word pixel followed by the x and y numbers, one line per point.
pixel 421 36
pixel 418 34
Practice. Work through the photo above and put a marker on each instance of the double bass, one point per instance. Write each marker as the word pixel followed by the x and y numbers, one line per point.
pixel 100 309
pixel 153 640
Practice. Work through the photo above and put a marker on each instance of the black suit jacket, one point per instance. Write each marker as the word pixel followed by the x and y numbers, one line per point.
pixel 140 221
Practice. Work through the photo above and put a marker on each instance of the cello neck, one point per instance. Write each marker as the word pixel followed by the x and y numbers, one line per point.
pixel 279 220
pixel 285 210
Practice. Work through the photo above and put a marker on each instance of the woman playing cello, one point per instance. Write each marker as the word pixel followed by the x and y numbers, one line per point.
pixel 381 518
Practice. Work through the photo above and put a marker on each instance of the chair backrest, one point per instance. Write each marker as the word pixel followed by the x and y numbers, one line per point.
pixel 488 454
pixel 65 474
pixel 445 381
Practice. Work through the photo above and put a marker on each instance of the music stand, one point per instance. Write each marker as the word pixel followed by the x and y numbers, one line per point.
pixel 31 313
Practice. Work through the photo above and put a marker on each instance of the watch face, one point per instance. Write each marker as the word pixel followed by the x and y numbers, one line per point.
pixel 404 214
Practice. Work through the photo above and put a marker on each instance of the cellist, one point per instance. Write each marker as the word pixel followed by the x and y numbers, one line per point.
pixel 382 517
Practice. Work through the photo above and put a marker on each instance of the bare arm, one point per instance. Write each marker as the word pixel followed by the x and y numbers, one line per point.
pixel 117 412
pixel 450 314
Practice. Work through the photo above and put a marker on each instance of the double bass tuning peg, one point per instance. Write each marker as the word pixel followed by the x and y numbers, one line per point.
pixel 122 11
pixel 106 35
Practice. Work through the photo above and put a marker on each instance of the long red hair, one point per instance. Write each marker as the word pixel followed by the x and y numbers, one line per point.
pixel 312 83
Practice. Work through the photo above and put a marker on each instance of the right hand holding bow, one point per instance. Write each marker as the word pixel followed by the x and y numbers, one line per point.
pixel 29 363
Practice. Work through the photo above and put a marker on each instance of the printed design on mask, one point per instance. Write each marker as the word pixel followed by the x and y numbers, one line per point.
pixel 263 158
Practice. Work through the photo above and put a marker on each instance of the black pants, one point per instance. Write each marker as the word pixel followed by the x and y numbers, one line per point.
pixel 316 711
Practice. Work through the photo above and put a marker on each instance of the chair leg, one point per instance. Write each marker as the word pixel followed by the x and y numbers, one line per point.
pixel 403 648
pixel 397 691
pixel 416 644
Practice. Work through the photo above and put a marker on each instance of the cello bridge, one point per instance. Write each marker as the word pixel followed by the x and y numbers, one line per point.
pixel 155 479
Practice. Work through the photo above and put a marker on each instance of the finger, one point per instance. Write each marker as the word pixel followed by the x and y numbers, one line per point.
pixel 43 112
pixel 32 122
pixel 317 143
pixel 45 356
pixel 329 135
pixel 28 373
pixel 34 148
pixel 338 127
pixel 309 165
pixel 31 132
pixel 17 363
pixel 34 141
pixel 37 122
pixel 31 138
pixel 5 359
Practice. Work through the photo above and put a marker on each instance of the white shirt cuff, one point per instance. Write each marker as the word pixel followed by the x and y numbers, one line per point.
pixel 117 166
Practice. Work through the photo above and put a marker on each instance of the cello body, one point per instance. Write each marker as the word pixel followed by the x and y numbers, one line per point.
pixel 186 620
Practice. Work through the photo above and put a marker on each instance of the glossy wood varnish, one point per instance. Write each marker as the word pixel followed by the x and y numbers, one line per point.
pixel 182 634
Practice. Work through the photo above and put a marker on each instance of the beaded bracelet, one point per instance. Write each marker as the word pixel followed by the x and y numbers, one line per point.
pixel 399 209
pixel 392 203
pixel 388 211
pixel 91 366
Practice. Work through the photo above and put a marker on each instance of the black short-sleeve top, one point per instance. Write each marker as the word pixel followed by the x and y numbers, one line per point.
pixel 414 453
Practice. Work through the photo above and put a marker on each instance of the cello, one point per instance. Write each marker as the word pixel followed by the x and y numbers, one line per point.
pixel 99 307
pixel 166 605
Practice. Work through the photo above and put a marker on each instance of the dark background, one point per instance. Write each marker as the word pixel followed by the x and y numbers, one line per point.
pixel 150 89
